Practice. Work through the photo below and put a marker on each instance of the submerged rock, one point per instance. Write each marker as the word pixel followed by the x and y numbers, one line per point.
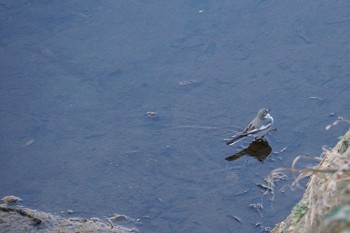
pixel 152 115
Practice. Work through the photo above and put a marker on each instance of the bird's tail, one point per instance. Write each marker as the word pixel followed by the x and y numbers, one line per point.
pixel 235 139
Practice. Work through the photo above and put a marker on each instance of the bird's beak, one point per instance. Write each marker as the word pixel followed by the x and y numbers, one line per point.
pixel 268 110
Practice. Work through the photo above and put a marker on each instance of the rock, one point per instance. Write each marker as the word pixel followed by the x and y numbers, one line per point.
pixel 19 219
pixel 94 219
pixel 11 199
pixel 118 217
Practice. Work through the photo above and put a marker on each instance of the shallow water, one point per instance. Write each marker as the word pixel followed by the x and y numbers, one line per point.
pixel 79 78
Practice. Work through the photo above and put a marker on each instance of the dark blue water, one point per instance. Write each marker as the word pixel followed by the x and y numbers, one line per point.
pixel 78 78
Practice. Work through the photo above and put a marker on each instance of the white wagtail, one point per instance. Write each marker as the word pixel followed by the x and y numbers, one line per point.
pixel 258 127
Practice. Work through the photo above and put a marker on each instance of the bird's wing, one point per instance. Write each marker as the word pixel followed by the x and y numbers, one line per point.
pixel 249 128
pixel 253 131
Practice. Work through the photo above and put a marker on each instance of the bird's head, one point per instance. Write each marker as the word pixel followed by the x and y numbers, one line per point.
pixel 263 112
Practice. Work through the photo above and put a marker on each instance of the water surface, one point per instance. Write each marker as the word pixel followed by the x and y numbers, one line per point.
pixel 78 79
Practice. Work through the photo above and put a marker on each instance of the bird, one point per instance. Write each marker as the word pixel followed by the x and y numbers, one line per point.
pixel 258 127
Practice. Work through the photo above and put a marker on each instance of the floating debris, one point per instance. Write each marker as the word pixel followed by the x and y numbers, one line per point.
pixel 259 207
pixel 152 115
pixel 265 229
pixel 339 119
pixel 241 192
pixel 315 98
pixel 236 218
pixel 11 199
pixel 263 186
pixel 29 142
pixel 284 149
pixel 328 127
pixel 281 151
pixel 189 82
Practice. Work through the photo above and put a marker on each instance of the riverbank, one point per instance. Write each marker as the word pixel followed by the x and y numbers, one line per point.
pixel 325 205
pixel 14 218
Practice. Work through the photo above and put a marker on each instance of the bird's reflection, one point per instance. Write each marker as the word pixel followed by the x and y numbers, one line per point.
pixel 259 149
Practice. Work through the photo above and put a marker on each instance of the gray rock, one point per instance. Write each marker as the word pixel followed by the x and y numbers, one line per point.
pixel 19 219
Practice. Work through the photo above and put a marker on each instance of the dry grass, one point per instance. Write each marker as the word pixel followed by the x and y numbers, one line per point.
pixel 327 189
